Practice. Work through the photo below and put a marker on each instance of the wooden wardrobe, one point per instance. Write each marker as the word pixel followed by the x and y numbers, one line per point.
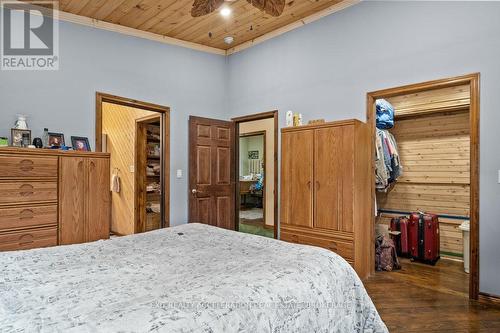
pixel 52 197
pixel 325 189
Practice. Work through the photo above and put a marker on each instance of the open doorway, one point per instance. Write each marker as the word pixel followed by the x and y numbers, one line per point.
pixel 136 135
pixel 436 136
pixel 256 174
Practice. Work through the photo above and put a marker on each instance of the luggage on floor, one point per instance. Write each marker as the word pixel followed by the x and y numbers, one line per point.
pixel 423 237
pixel 401 241
pixel 385 254
pixel 384 114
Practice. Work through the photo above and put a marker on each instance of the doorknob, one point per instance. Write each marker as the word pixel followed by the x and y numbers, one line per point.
pixel 194 191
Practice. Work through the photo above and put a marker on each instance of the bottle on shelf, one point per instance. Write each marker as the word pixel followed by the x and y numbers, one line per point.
pixel 45 137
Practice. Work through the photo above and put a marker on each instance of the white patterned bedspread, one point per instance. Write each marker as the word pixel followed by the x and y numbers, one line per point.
pixel 190 278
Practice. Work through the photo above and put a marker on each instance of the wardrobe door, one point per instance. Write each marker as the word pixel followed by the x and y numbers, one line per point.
pixel 98 199
pixel 347 176
pixel 297 178
pixel 328 177
pixel 72 193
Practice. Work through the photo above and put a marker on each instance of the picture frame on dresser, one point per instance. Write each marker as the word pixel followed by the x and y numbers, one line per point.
pixel 80 143
pixel 56 139
pixel 17 136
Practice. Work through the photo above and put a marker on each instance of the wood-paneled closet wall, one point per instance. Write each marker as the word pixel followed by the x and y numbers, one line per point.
pixel 432 132
pixel 325 182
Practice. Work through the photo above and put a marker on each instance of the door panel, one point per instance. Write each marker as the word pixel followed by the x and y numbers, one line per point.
pixel 72 191
pixel 223 210
pixel 223 166
pixel 204 162
pixel 297 178
pixel 211 172
pixel 328 178
pixel 98 207
pixel 346 223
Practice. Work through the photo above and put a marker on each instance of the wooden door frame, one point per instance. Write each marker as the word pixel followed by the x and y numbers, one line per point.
pixel 473 80
pixel 243 119
pixel 164 112
pixel 264 193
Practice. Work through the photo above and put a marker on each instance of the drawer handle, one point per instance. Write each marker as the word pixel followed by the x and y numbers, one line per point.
pixel 26 239
pixel 26 214
pixel 26 165
pixel 26 190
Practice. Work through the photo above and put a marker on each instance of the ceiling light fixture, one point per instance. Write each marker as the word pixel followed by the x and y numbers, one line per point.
pixel 225 11
pixel 228 40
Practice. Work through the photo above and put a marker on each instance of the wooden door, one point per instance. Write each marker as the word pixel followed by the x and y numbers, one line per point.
pixel 297 178
pixel 211 172
pixel 72 191
pixel 97 199
pixel 333 174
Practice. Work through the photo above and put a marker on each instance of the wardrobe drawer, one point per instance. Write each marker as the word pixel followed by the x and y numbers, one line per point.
pixel 28 239
pixel 343 248
pixel 27 217
pixel 27 192
pixel 27 166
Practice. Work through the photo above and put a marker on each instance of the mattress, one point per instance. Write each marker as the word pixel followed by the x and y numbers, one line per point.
pixel 190 278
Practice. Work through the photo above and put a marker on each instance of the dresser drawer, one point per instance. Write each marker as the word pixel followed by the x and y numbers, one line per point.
pixel 27 192
pixel 22 166
pixel 27 217
pixel 343 248
pixel 28 239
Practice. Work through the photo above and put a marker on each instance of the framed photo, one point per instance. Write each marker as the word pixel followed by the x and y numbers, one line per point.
pixel 80 143
pixel 253 155
pixel 17 137
pixel 56 139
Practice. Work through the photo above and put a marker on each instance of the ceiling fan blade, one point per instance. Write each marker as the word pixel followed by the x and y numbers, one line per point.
pixel 271 7
pixel 204 7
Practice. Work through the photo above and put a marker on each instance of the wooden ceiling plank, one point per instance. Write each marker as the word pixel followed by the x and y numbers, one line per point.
pixel 91 7
pixel 75 6
pixel 106 9
pixel 148 10
pixel 211 22
pixel 121 10
pixel 244 21
pixel 167 17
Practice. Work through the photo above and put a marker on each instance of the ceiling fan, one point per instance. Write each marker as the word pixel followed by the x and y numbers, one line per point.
pixel 271 7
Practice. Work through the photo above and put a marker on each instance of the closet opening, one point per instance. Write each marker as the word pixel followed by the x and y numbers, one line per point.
pixel 256 174
pixel 137 136
pixel 427 162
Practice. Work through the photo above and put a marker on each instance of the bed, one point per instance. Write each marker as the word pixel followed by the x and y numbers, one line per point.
pixel 189 278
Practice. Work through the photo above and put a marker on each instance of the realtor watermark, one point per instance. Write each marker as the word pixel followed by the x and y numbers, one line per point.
pixel 29 33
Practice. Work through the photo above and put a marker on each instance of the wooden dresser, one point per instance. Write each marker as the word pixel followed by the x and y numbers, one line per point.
pixel 50 197
pixel 325 189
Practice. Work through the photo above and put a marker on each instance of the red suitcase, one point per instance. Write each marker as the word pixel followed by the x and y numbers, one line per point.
pixel 423 237
pixel 401 242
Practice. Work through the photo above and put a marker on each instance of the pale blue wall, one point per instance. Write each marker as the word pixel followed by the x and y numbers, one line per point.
pixel 325 69
pixel 188 81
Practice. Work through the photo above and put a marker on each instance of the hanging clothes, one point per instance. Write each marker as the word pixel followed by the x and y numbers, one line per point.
pixel 388 166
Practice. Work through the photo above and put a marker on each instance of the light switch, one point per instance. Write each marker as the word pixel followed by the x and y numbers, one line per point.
pixel 131 168
pixel 179 173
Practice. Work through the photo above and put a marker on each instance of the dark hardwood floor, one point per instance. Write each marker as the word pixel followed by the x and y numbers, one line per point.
pixel 425 299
